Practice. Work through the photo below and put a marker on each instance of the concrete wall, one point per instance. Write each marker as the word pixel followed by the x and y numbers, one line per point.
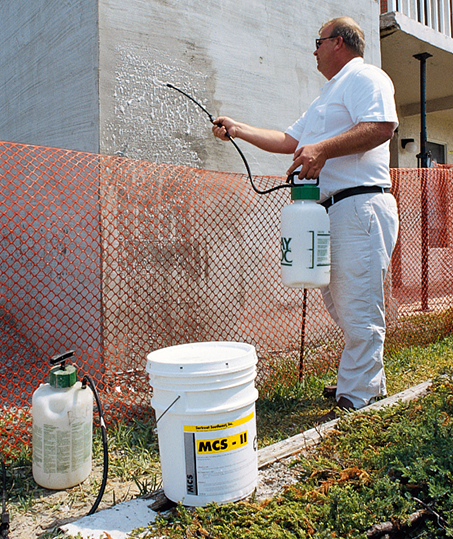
pixel 249 60
pixel 49 65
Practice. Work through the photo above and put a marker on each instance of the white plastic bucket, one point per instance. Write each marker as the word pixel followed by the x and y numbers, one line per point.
pixel 204 397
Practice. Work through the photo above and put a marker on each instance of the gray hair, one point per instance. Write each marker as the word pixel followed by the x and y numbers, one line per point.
pixel 350 31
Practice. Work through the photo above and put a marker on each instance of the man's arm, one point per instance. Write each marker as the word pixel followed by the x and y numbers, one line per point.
pixel 360 138
pixel 266 139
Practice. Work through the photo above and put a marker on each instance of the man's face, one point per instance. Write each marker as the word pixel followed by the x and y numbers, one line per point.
pixel 325 53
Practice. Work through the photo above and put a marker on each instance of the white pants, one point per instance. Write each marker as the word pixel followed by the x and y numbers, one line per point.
pixel 363 230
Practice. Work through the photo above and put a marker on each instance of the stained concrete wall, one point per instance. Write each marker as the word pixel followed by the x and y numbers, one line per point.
pixel 49 73
pixel 85 74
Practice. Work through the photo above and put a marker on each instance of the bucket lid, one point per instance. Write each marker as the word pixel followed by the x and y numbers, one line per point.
pixel 201 358
pixel 305 192
pixel 60 377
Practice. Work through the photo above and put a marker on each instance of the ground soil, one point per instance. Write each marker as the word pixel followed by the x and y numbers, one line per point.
pixel 56 508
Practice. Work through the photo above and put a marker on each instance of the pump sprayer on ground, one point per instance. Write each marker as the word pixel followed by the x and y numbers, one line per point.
pixel 62 412
pixel 305 226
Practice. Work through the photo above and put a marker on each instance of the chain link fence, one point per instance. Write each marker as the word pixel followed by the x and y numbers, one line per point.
pixel 115 258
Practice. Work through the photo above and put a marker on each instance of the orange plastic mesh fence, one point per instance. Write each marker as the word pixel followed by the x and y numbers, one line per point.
pixel 116 258
pixel 420 298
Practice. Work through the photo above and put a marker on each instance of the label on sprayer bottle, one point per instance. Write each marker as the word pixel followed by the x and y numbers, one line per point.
pixel 318 250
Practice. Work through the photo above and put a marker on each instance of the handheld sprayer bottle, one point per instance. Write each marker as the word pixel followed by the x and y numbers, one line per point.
pixel 305 240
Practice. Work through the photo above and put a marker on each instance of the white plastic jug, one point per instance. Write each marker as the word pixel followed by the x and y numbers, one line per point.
pixel 305 240
pixel 62 412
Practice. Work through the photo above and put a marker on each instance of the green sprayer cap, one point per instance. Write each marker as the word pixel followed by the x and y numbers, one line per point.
pixel 305 192
pixel 63 377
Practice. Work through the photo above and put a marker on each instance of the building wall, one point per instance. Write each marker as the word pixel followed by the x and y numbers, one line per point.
pixel 439 130
pixel 249 60
pixel 49 66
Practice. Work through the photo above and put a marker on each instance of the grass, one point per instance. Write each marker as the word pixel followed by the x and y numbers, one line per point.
pixel 381 472
pixel 284 412
pixel 297 406
pixel 386 471
pixel 133 452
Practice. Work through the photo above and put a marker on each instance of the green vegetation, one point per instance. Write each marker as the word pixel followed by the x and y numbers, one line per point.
pixel 292 408
pixel 133 454
pixel 389 470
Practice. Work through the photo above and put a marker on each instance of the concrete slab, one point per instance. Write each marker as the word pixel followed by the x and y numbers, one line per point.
pixel 114 523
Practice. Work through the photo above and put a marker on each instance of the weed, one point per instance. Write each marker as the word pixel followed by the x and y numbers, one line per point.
pixel 289 410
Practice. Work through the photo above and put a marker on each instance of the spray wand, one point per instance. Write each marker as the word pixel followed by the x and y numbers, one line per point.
pixel 212 119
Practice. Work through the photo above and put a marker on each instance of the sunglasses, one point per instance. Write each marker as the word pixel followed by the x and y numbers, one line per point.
pixel 320 40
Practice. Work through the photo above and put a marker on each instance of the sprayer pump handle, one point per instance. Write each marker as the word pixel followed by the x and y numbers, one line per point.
pixel 61 358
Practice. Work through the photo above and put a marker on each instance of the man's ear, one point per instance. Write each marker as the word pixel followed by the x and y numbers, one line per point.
pixel 339 44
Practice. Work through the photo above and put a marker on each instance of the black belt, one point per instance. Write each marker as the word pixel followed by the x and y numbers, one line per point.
pixel 353 191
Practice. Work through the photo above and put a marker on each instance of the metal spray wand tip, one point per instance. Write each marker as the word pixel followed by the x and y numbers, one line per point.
pixel 159 82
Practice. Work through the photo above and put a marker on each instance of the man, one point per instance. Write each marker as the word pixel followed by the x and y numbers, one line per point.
pixel 343 138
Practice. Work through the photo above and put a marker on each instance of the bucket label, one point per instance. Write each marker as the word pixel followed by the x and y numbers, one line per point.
pixel 212 460
pixel 222 444
pixel 218 426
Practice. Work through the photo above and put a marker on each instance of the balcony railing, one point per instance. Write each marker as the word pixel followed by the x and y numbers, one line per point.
pixel 437 14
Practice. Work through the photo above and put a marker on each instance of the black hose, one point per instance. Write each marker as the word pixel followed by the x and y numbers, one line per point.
pixel 211 119
pixel 4 527
pixel 88 379
pixel 266 191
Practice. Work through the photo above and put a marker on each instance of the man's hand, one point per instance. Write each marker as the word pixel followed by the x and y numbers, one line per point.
pixel 222 124
pixel 311 158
